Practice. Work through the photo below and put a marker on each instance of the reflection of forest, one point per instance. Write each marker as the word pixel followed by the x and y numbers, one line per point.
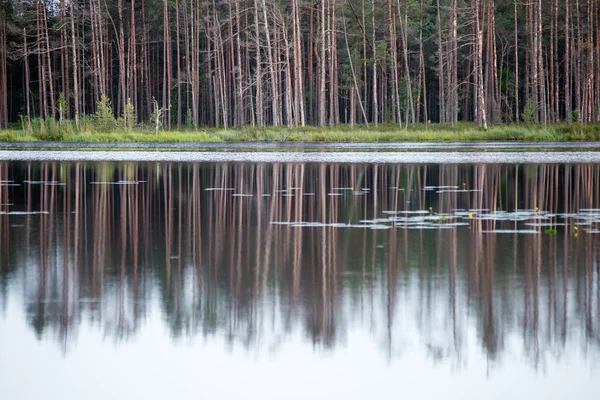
pixel 106 254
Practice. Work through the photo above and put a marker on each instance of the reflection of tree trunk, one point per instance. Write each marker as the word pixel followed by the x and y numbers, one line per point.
pixel 265 276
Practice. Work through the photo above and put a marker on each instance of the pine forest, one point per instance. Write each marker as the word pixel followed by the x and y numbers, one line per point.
pixel 178 64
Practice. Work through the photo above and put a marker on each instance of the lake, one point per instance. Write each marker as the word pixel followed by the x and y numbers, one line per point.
pixel 458 276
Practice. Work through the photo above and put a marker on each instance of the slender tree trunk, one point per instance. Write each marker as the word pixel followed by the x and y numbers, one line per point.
pixel 577 74
pixel 440 58
pixel 179 79
pixel 396 111
pixel 364 56
pixel 375 105
pixel 167 74
pixel 240 109
pixel 362 108
pixel 75 70
pixel 147 92
pixel 289 117
pixel 311 80
pixel 49 62
pixel 41 65
pixel 27 78
pixel 4 72
pixel 453 64
pixel 410 109
pixel 134 64
pixel 517 88
pixel 422 80
pixel 541 78
pixel 64 49
pixel 334 114
pixel 123 92
pixel 259 89
pixel 322 117
pixel 271 58
pixel 299 98
pixel 491 87
pixel 481 110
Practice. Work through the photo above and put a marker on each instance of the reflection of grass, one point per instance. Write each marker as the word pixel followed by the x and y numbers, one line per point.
pixel 463 132
pixel 551 232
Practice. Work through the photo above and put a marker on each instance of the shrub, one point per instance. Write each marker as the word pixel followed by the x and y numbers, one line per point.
pixel 529 112
pixel 129 117
pixel 104 119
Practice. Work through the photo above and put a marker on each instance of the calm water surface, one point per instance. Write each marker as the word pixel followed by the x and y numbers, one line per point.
pixel 128 280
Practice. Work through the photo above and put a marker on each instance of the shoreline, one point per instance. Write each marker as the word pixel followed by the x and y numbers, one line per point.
pixel 350 157
pixel 434 133
pixel 496 146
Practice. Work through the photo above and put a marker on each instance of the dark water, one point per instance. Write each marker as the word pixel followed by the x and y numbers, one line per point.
pixel 128 280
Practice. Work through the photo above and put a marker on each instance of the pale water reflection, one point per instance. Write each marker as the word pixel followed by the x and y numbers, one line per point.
pixel 293 280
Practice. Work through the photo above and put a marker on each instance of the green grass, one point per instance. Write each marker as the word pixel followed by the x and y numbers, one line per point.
pixel 137 137
pixel 463 132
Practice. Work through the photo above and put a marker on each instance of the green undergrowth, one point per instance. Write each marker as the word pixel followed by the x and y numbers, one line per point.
pixel 463 132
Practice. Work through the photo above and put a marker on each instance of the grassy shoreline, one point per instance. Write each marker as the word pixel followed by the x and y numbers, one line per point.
pixel 384 133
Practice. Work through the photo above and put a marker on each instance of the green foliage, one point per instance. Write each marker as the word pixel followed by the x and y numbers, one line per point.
pixel 403 94
pixel 50 130
pixel 104 120
pixel 62 106
pixel 142 137
pixel 578 132
pixel 529 113
pixel 189 119
pixel 129 116
pixel 16 136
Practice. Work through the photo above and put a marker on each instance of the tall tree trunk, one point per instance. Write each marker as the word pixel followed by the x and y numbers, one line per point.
pixel 578 56
pixel 541 74
pixel 179 79
pixel 4 72
pixel 410 109
pixel 481 110
pixel 396 111
pixel 133 85
pixel 271 58
pixel 289 117
pixel 517 88
pixel 123 92
pixel 491 87
pixel 240 109
pixel 362 108
pixel 322 69
pixel 27 78
pixel 422 81
pixel 41 64
pixel 167 68
pixel 567 61
pixel 440 59
pixel 453 65
pixel 49 61
pixel 64 49
pixel 259 89
pixel 75 70
pixel 299 98
pixel 334 115
pixel 375 105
